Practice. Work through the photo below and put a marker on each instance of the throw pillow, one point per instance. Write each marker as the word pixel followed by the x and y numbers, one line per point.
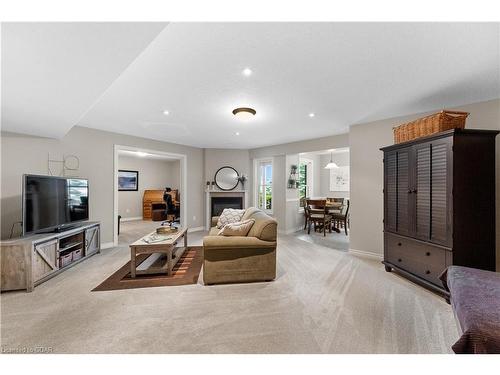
pixel 237 229
pixel 229 215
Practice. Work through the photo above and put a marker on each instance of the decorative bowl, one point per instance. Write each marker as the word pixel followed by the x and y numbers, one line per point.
pixel 166 230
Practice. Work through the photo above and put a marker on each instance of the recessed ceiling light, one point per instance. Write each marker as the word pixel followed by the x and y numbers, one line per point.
pixel 237 133
pixel 244 113
pixel 247 72
pixel 311 114
pixel 166 113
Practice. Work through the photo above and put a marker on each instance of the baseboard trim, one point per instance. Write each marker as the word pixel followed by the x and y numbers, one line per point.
pixel 107 245
pixel 295 230
pixel 123 219
pixel 366 254
pixel 195 229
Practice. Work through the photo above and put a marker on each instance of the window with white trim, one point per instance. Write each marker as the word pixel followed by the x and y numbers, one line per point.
pixel 305 180
pixel 264 184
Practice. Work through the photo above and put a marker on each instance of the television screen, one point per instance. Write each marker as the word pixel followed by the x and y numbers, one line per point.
pixel 52 202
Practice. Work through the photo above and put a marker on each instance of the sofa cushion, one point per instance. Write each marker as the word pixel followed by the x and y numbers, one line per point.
pixel 249 212
pixel 237 229
pixel 265 227
pixel 214 231
pixel 229 215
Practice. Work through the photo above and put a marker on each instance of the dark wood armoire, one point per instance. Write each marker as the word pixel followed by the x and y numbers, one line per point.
pixel 439 204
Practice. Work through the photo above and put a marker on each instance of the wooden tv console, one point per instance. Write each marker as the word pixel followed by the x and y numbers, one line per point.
pixel 31 260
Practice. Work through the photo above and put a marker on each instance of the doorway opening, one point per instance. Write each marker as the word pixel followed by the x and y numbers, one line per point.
pixel 141 179
pixel 324 176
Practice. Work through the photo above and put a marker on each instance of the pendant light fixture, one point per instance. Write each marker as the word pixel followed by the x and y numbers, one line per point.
pixel 331 164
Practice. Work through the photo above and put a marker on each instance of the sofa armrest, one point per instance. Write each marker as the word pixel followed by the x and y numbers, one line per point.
pixel 223 242
pixel 215 219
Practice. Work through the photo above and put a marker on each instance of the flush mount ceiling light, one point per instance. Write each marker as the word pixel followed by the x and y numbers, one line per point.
pixel 166 113
pixel 247 72
pixel 331 164
pixel 311 114
pixel 244 113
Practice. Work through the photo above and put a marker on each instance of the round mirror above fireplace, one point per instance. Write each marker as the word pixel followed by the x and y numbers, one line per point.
pixel 226 178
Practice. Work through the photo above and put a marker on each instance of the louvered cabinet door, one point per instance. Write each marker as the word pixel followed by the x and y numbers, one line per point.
pixel 422 191
pixel 390 191
pixel 441 191
pixel 403 222
pixel 397 182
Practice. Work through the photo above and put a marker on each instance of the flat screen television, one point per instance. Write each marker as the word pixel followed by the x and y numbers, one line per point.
pixel 53 203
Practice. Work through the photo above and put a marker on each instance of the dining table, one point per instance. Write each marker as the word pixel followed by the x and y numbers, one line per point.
pixel 332 207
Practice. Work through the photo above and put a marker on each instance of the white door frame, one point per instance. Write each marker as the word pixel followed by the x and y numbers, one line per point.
pixel 183 182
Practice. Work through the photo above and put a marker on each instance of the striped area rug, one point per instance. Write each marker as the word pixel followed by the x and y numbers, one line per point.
pixel 186 271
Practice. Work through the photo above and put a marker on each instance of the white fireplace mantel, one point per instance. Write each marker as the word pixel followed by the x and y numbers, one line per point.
pixel 221 193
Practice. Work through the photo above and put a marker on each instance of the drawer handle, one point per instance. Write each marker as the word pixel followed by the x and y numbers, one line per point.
pixel 428 254
pixel 400 260
pixel 399 243
pixel 427 272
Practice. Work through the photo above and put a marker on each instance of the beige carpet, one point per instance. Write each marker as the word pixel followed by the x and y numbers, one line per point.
pixel 323 301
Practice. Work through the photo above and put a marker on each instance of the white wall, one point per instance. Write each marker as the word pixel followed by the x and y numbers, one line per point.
pixel 95 149
pixel 341 159
pixel 293 218
pixel 316 172
pixel 367 172
pixel 153 175
pixel 279 189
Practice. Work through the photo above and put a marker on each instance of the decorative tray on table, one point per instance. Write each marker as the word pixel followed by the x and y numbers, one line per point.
pixel 166 230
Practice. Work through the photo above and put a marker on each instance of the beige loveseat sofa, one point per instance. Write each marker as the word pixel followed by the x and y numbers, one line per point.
pixel 241 259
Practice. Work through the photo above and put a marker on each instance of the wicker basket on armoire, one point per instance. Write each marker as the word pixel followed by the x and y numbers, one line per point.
pixel 435 123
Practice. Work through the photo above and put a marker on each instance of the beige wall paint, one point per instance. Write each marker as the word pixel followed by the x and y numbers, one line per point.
pixel 238 159
pixel 317 144
pixel 367 172
pixel 286 206
pixel 95 149
pixel 153 175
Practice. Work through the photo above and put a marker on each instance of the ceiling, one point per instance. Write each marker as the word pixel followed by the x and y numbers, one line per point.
pixel 121 77
pixel 53 73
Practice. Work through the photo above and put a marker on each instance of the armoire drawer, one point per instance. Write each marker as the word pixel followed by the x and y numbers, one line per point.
pixel 421 259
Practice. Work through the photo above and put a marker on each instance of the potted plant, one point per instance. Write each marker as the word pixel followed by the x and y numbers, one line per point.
pixel 242 179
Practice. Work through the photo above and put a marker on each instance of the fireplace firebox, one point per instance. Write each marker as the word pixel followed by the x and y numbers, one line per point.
pixel 220 203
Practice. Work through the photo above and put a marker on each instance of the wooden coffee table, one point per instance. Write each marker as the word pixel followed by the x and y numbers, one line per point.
pixel 167 246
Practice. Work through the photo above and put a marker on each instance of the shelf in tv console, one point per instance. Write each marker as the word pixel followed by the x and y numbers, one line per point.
pixel 31 260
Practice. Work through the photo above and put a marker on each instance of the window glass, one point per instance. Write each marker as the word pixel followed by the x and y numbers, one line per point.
pixel 264 187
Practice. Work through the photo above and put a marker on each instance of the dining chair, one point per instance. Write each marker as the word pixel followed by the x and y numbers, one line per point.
pixel 306 216
pixel 336 200
pixel 318 215
pixel 342 218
